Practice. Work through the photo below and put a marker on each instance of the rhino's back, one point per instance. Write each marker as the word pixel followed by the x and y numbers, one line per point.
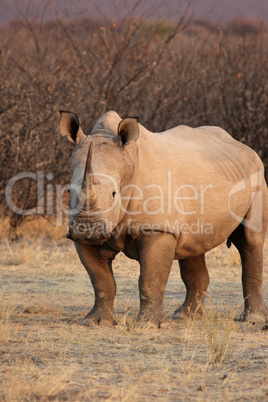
pixel 208 152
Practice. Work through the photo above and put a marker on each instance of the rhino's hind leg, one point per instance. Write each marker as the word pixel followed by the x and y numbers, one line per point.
pixel 195 276
pixel 250 246
pixel 101 275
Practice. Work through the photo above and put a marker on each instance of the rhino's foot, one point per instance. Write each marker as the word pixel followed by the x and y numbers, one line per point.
pixel 259 316
pixel 150 319
pixel 185 311
pixel 95 319
pixel 89 322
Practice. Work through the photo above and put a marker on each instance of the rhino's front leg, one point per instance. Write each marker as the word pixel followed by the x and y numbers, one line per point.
pixel 156 254
pixel 101 275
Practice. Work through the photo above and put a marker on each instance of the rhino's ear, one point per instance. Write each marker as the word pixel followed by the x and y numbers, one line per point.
pixel 128 130
pixel 69 126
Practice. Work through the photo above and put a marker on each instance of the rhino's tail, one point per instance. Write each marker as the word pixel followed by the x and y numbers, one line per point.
pixel 228 242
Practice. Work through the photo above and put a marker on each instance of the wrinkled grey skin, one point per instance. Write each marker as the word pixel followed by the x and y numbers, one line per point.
pixel 122 179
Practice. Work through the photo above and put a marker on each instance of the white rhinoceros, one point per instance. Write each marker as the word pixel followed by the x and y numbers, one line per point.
pixel 163 196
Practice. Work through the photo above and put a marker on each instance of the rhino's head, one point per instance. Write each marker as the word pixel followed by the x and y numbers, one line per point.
pixel 102 164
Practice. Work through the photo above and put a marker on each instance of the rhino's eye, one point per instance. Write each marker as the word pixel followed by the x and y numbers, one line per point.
pixel 114 192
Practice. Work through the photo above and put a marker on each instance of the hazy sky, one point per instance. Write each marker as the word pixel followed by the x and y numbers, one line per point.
pixel 219 10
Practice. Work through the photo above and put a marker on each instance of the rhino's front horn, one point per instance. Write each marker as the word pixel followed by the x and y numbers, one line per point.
pixel 88 170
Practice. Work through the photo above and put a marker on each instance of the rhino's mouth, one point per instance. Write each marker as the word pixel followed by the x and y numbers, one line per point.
pixel 83 233
pixel 86 240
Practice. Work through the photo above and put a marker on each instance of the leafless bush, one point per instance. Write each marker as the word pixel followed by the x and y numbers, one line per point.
pixel 137 67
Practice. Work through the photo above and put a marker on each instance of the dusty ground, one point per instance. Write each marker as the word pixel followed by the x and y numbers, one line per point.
pixel 45 354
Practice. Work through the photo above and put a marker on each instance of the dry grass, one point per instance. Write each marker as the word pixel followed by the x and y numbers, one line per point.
pixel 33 228
pixel 45 354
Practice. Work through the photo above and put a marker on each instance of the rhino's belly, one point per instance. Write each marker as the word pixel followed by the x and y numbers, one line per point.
pixel 221 216
pixel 203 236
pixel 201 217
